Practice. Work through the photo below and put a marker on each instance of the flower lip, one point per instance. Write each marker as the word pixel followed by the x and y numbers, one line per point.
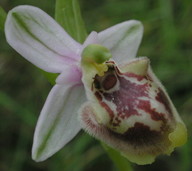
pixel 129 110
pixel 128 94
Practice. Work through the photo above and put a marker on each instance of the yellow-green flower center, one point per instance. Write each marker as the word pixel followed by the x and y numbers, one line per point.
pixel 95 56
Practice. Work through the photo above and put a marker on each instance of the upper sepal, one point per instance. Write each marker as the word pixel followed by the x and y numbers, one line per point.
pixel 129 109
pixel 40 39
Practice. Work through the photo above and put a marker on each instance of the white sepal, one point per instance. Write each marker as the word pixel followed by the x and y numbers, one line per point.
pixel 39 39
pixel 57 123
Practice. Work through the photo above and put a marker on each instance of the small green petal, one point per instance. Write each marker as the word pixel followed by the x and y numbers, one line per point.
pixel 95 53
pixel 94 57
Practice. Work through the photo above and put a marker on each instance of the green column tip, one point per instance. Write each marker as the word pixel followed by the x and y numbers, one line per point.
pixel 95 53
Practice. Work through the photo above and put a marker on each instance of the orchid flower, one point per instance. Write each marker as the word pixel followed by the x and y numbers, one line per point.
pixel 101 87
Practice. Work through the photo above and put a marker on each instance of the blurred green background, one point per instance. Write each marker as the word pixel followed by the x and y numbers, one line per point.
pixel 167 42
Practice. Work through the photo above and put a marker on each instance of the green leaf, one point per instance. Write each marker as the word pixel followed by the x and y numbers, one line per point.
pixel 121 162
pixel 68 15
pixel 2 18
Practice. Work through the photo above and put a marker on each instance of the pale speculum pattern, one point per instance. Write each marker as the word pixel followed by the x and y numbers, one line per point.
pixel 139 111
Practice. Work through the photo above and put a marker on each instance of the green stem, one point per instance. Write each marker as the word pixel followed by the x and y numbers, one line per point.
pixel 68 15
pixel 185 153
pixel 2 18
pixel 122 164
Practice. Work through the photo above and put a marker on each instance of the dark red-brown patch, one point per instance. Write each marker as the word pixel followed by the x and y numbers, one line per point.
pixel 96 83
pixel 98 95
pixel 145 105
pixel 161 97
pixel 107 108
pixel 109 82
pixel 139 134
pixel 126 97
pixel 116 122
